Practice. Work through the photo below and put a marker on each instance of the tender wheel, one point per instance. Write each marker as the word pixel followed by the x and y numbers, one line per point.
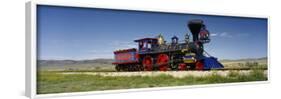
pixel 140 67
pixel 117 68
pixel 163 62
pixel 199 65
pixel 147 63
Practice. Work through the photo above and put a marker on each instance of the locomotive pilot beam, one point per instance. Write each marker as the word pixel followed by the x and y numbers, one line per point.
pixel 156 54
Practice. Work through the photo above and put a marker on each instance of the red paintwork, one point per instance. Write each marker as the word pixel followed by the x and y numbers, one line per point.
pixel 203 33
pixel 147 63
pixel 162 62
pixel 123 56
pixel 199 65
pixel 182 66
pixel 137 56
pixel 126 56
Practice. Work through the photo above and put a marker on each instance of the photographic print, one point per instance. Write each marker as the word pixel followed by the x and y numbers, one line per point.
pixel 93 49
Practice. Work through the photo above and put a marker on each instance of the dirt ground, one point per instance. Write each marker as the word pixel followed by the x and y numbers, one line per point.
pixel 177 74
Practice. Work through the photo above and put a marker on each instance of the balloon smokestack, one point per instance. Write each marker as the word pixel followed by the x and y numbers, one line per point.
pixel 195 27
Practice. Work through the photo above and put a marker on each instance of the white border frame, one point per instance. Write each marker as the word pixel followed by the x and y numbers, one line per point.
pixel 31 47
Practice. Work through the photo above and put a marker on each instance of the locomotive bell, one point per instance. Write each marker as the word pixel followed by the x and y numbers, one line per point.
pixel 195 27
pixel 160 39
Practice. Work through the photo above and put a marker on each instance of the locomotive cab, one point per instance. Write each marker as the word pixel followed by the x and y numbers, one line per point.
pixel 147 44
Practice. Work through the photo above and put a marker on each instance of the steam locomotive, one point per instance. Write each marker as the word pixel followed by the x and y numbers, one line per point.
pixel 156 54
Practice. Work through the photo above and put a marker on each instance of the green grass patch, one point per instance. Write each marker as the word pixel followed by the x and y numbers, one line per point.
pixel 55 82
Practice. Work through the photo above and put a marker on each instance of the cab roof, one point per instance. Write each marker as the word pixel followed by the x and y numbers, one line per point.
pixel 145 39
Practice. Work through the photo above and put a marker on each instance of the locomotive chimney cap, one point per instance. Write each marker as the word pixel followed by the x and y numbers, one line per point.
pixel 196 21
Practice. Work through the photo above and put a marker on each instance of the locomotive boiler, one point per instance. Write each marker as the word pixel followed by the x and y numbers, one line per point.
pixel 157 54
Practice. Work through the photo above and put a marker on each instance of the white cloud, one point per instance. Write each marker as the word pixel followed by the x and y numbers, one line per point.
pixel 214 34
pixel 230 35
pixel 226 34
pixel 223 35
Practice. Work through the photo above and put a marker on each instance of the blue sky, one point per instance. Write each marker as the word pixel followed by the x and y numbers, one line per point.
pixel 83 33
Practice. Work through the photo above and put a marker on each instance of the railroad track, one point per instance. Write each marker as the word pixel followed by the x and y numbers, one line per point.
pixel 177 74
pixel 223 69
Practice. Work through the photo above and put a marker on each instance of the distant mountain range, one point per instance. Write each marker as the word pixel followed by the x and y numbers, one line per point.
pixel 245 59
pixel 73 62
